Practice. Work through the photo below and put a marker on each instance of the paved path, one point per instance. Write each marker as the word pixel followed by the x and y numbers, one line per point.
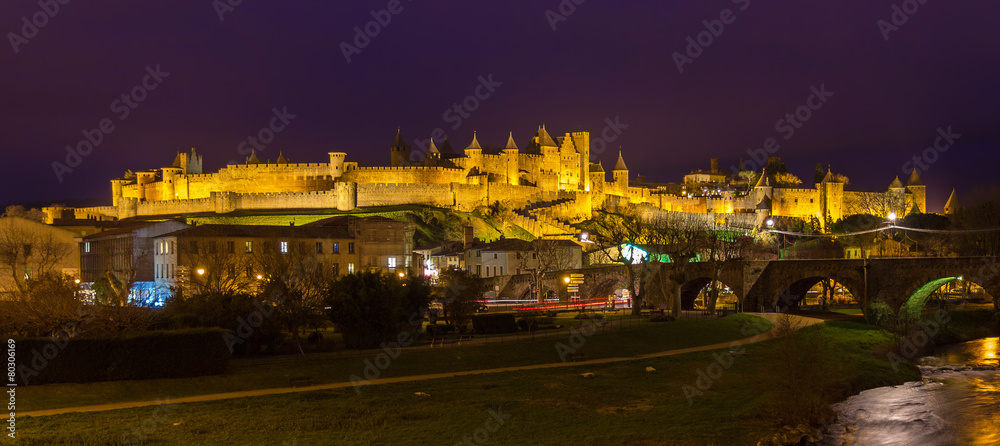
pixel 800 321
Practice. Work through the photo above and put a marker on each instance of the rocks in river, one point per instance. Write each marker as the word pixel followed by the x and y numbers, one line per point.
pixel 788 435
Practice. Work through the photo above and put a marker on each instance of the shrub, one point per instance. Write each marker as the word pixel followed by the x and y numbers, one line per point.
pixel 439 330
pixel 596 316
pixel 494 323
pixel 659 317
pixel 159 354
pixel 374 308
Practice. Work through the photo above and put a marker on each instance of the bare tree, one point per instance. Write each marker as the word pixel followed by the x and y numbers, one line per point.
pixel 295 283
pixel 543 256
pixel 23 247
pixel 221 271
pixel 680 238
pixel 874 203
pixel 615 228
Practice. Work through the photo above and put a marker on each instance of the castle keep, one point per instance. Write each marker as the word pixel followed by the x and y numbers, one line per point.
pixel 550 182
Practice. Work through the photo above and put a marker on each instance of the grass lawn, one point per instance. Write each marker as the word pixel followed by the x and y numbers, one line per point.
pixel 848 311
pixel 270 372
pixel 622 405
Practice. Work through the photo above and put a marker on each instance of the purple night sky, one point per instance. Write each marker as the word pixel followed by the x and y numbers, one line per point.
pixel 605 60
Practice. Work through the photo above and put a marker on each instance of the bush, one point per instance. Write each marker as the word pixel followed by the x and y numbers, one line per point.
pixel 660 317
pixel 494 323
pixel 160 354
pixel 374 308
pixel 596 316
pixel 439 330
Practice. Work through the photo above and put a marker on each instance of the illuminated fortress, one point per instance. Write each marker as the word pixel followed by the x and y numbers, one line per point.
pixel 550 183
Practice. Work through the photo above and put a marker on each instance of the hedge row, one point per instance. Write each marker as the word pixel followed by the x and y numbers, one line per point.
pixel 156 354
pixel 494 323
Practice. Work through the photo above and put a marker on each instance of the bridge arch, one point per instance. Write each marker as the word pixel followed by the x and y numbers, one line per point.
pixel 798 292
pixel 918 297
pixel 692 288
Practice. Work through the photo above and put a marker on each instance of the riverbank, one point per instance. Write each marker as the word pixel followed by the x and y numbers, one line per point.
pixel 694 398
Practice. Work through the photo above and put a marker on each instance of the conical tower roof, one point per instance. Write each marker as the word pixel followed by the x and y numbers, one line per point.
pixel 253 158
pixel 896 184
pixel 620 164
pixel 510 142
pixel 177 160
pixel 765 203
pixel 914 179
pixel 281 158
pixel 952 204
pixel 475 142
pixel 399 141
pixel 597 167
pixel 432 148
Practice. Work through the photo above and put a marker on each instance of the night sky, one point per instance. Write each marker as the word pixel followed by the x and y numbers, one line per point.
pixel 606 60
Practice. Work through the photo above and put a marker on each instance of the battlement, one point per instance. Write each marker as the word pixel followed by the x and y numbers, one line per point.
pixel 350 167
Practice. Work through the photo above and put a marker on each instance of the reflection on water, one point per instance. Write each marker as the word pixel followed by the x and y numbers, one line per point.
pixel 957 403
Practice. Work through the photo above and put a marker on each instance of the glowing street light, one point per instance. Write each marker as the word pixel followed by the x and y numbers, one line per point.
pixel 770 222
pixel 892 217
pixel 402 274
pixel 259 277
pixel 77 281
pixel 200 271
pixel 566 279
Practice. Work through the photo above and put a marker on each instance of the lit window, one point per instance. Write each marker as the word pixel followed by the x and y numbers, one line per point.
pixel 249 247
pixel 284 247
pixel 350 268
pixel 392 262
pixel 86 247
pixel 336 248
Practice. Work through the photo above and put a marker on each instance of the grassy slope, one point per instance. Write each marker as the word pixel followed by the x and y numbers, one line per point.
pixel 622 405
pixel 484 227
pixel 257 373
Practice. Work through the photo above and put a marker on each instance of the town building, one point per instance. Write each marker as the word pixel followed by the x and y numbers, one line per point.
pixel 29 248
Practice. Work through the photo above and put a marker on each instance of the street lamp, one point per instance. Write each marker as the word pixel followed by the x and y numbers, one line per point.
pixel 401 275
pixel 200 271
pixel 259 277
pixel 770 222
pixel 892 217
pixel 566 279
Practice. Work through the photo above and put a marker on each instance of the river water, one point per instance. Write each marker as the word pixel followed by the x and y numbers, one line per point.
pixel 957 403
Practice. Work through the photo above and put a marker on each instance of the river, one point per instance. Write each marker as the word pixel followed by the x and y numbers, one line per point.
pixel 957 403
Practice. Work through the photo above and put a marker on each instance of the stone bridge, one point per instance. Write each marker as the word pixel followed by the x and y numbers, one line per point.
pixel 763 285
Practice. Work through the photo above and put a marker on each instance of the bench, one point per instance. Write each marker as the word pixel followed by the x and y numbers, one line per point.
pixel 300 381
